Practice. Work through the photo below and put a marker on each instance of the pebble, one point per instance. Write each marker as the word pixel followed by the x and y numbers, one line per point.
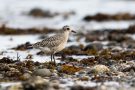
pixel 100 69
pixel 42 72
pixel 121 74
pixel 26 75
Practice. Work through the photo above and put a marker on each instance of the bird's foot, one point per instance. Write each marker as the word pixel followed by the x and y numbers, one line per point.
pixel 52 63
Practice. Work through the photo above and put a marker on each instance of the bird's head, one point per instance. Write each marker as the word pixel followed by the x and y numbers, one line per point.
pixel 68 29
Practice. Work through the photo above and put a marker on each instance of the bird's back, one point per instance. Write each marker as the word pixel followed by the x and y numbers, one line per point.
pixel 50 42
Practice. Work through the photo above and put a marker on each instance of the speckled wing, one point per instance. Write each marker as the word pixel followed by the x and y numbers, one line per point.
pixel 53 41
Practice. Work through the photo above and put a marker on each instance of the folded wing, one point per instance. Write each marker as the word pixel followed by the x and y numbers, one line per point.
pixel 53 41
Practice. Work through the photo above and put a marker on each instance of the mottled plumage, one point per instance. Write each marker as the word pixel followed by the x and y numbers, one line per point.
pixel 50 42
pixel 55 43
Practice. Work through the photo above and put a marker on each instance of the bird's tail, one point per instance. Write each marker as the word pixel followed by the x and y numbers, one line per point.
pixel 30 46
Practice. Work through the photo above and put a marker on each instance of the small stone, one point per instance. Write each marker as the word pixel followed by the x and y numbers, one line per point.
pixel 121 74
pixel 42 72
pixel 82 72
pixel 103 87
pixel 100 69
pixel 84 78
pixel 25 76
pixel 116 49
pixel 40 80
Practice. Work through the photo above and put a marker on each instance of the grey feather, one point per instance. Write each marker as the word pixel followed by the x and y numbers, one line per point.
pixel 52 41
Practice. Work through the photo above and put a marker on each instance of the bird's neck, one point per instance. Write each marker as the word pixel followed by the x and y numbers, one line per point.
pixel 66 35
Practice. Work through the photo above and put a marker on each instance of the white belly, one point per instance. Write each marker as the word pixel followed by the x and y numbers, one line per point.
pixel 46 50
pixel 60 47
pixel 53 50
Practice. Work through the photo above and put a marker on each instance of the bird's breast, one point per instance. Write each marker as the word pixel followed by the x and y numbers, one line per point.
pixel 46 50
pixel 60 47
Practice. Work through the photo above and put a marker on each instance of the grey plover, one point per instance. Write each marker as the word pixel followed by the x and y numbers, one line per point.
pixel 55 43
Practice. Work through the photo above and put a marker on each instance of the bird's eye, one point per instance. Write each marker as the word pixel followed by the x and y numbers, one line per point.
pixel 68 28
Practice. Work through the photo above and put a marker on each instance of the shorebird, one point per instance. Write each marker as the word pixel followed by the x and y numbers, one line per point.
pixel 55 43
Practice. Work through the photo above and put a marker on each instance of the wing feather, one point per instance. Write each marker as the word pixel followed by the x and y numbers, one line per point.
pixel 49 42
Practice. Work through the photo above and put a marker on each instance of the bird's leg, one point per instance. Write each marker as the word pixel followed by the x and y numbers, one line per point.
pixel 54 59
pixel 51 57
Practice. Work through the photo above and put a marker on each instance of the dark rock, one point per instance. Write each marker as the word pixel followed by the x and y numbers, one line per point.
pixel 5 30
pixel 77 88
pixel 72 50
pixel 37 12
pixel 23 47
pixel 7 60
pixel 131 29
pixel 119 37
pixel 94 46
pixel 4 67
pixel 104 17
pixel 40 53
pixel 127 69
pixel 88 61
pixel 98 17
pixel 28 86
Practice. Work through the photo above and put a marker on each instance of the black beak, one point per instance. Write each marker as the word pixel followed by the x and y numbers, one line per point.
pixel 73 31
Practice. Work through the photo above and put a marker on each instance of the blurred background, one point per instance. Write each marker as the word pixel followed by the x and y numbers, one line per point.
pixel 56 13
